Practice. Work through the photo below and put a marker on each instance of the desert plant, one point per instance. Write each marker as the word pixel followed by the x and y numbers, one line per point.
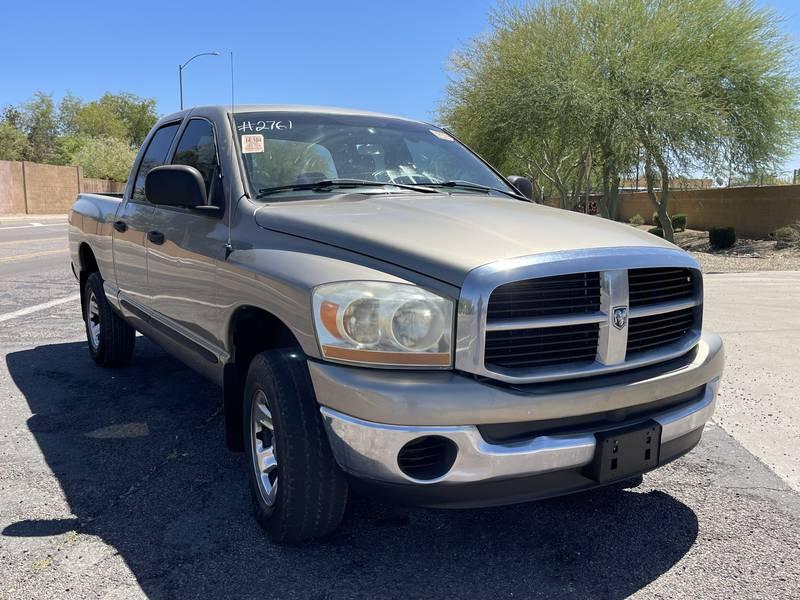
pixel 654 219
pixel 721 237
pixel 657 231
pixel 636 219
pixel 786 237
pixel 679 222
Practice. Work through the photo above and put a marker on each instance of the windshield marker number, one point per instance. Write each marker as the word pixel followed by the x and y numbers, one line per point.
pixel 246 126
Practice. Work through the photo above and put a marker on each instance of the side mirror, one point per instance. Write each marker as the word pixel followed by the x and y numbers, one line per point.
pixel 175 185
pixel 523 185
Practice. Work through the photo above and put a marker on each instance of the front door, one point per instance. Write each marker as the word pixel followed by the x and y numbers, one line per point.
pixel 184 245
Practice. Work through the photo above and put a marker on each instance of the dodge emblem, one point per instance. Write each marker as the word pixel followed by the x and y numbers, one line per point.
pixel 620 317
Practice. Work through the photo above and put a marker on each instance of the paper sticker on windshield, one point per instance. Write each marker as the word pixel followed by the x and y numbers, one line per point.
pixel 441 135
pixel 252 143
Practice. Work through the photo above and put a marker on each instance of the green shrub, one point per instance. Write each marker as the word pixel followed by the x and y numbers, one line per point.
pixel 636 219
pixel 654 220
pixel 786 237
pixel 657 231
pixel 679 222
pixel 721 237
pixel 104 158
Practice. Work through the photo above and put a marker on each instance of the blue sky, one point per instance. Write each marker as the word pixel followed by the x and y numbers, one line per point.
pixel 376 55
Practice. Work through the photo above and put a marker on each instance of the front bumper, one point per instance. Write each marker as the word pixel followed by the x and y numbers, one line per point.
pixel 368 449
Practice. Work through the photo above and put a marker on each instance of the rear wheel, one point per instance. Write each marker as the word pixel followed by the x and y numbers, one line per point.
pixel 110 338
pixel 298 490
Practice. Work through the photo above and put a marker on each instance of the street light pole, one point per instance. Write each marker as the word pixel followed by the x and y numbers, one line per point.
pixel 183 66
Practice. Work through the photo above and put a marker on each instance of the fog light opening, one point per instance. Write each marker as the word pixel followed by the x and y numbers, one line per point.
pixel 428 457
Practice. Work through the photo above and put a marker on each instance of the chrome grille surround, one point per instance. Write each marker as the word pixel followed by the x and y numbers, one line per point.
pixel 613 265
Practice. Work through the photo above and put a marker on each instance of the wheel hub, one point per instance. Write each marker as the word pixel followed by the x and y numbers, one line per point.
pixel 93 321
pixel 265 459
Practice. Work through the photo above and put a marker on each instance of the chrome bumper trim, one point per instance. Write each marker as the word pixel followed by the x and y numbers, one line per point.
pixel 369 450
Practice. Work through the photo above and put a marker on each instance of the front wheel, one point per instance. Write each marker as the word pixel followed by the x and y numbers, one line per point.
pixel 110 338
pixel 299 492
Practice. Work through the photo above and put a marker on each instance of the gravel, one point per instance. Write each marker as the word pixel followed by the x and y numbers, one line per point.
pixel 746 255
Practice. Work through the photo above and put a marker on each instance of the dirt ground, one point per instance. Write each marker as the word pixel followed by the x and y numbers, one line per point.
pixel 746 255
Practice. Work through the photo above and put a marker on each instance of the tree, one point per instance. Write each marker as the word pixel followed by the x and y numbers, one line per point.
pixel 78 132
pixel 727 98
pixel 105 158
pixel 41 127
pixel 512 90
pixel 13 141
pixel 67 112
pixel 138 114
pixel 693 83
pixel 96 119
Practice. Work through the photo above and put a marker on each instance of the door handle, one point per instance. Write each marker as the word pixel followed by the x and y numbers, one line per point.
pixel 156 237
pixel 121 226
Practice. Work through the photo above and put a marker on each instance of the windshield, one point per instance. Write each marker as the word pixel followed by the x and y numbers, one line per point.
pixel 282 150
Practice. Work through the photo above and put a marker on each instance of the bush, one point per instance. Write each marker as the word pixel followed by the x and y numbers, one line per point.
pixel 636 219
pixel 786 237
pixel 654 220
pixel 657 231
pixel 721 237
pixel 679 222
pixel 105 158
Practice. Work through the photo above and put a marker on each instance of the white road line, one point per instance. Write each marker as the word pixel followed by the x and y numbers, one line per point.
pixel 37 307
pixel 31 226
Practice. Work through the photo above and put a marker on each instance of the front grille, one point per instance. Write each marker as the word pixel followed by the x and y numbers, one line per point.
pixel 547 328
pixel 651 286
pixel 654 331
pixel 544 346
pixel 563 294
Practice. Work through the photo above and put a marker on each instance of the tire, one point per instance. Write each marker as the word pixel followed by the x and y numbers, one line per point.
pixel 299 493
pixel 110 338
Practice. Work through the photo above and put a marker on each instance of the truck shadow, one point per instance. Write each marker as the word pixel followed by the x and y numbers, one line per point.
pixel 139 455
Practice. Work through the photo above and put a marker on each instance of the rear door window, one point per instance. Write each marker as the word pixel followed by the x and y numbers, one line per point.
pixel 154 156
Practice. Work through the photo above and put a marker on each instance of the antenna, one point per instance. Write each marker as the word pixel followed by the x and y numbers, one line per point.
pixel 229 245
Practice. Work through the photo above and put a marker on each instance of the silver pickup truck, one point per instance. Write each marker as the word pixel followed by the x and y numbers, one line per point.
pixel 384 310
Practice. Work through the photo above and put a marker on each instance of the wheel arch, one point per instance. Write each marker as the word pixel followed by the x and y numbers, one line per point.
pixel 87 265
pixel 251 330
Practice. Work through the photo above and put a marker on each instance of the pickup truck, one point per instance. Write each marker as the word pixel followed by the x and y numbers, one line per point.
pixel 385 311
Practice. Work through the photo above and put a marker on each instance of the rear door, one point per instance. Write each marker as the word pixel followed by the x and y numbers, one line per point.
pixel 184 246
pixel 134 218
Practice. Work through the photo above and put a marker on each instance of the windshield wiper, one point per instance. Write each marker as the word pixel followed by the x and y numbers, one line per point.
pixel 340 183
pixel 468 185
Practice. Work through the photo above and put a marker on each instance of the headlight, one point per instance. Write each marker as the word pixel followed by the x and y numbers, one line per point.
pixel 382 323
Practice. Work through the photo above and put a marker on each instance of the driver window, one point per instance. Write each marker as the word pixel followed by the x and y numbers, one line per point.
pixel 197 149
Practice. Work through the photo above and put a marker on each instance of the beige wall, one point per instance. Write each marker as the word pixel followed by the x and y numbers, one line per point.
pixel 50 189
pixel 12 188
pixel 752 211
pixel 33 188
pixel 102 186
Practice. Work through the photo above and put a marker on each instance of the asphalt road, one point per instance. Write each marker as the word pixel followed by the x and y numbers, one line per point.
pixel 115 484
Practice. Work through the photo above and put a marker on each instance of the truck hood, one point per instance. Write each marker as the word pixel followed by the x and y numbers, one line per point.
pixel 446 235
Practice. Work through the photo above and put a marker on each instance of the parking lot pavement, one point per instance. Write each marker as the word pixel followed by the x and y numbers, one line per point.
pixel 758 317
pixel 34 262
pixel 115 484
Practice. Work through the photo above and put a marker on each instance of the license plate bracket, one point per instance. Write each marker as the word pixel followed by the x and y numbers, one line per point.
pixel 625 451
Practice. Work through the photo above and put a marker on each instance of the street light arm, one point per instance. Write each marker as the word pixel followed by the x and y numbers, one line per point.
pixel 183 66
pixel 215 53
